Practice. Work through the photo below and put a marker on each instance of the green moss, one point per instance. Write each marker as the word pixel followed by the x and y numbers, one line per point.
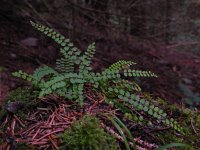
pixel 191 123
pixel 187 118
pixel 168 137
pixel 2 69
pixel 86 134
pixel 24 96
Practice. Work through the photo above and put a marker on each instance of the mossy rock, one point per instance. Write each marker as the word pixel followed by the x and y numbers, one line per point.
pixel 27 95
pixel 20 101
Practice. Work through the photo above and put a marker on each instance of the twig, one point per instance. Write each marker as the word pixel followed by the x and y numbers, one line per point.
pixel 193 126
pixel 36 133
pixel 60 130
pixel 13 127
pixel 5 122
pixel 39 123
pixel 54 144
pixel 19 121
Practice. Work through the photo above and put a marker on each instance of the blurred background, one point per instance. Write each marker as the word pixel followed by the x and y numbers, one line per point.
pixel 160 35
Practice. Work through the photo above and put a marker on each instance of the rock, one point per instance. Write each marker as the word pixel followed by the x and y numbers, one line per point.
pixel 13 107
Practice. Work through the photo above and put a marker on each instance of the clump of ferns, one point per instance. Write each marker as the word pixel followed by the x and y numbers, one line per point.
pixel 73 72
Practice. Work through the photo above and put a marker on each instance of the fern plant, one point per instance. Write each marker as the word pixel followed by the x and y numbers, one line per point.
pixel 73 71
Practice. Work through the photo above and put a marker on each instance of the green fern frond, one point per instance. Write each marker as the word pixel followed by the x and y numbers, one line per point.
pixel 40 72
pixel 143 105
pixel 25 76
pixel 50 87
pixel 64 65
pixel 68 50
pixel 54 80
pixel 71 53
pixel 138 73
pixel 86 58
pixel 122 64
pixel 61 65
pixel 57 37
pixel 79 92
pixel 128 85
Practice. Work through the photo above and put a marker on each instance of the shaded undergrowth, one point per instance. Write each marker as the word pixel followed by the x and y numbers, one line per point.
pixel 44 110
